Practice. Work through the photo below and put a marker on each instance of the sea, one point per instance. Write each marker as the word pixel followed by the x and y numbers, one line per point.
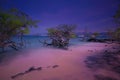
pixel 32 41
pixel 37 41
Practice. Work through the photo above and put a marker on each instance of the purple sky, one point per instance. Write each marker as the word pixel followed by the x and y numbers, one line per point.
pixel 95 15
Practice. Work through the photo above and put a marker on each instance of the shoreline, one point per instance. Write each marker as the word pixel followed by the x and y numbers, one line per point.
pixel 71 63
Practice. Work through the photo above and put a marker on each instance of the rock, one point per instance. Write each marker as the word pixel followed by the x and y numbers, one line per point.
pixel 55 66
pixel 116 69
pixel 39 68
pixel 101 77
pixel 106 45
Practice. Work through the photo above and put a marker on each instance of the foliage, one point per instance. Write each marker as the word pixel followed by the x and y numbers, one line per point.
pixel 94 35
pixel 114 34
pixel 61 34
pixel 117 34
pixel 14 22
pixel 117 16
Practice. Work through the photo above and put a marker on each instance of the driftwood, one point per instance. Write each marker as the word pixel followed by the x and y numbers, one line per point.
pixel 56 43
pixel 30 70
pixel 45 43
pixel 27 71
pixel 55 66
pixel 10 44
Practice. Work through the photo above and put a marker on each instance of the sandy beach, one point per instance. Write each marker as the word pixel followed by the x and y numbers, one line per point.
pixel 56 64
pixel 59 39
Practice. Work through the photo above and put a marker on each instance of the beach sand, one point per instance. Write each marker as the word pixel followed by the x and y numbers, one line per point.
pixel 70 63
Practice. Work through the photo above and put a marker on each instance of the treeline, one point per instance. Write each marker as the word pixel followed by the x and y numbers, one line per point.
pixel 15 22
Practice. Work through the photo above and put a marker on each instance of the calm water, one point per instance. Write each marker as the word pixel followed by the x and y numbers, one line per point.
pixel 35 41
pixel 31 42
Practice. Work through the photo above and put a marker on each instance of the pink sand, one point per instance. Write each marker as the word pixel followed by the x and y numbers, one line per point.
pixel 71 63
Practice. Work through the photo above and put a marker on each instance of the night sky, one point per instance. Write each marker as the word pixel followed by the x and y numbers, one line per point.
pixel 94 15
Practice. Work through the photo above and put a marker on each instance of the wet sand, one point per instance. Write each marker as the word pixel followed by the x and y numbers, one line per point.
pixel 70 63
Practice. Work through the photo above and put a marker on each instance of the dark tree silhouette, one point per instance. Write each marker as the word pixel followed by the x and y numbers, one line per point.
pixel 61 35
pixel 117 15
pixel 116 33
pixel 14 22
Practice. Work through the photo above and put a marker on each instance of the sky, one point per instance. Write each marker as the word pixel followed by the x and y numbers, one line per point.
pixel 93 15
